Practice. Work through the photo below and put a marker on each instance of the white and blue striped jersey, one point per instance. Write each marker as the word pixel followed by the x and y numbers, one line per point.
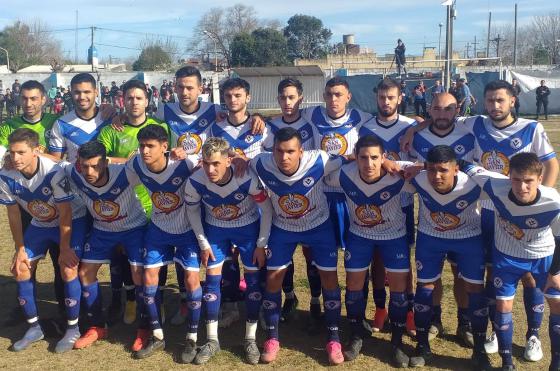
pixel 229 205
pixel 239 137
pixel 304 127
pixel 390 134
pixel 453 215
pixel 40 193
pixel 522 231
pixel 462 142
pixel 298 200
pixel 336 136
pixel 167 191
pixel 70 131
pixel 113 206
pixel 495 147
pixel 188 130
pixel 374 208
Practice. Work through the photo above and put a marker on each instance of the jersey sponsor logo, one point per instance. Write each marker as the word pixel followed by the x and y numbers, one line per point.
pixel 190 142
pixel 294 204
pixel 462 204
pixel 369 215
pixel 176 181
pixel 459 149
pixel 226 212
pixel 531 223
pixel 42 211
pixel 334 143
pixel 511 228
pixel 393 156
pixel 445 221
pixel 167 202
pixel 495 161
pixel 498 282
pixel 516 143
pixel 107 210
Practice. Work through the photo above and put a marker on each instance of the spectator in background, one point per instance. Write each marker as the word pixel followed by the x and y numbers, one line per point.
pixel 453 90
pixel 68 102
pixel 464 97
pixel 437 89
pixel 166 96
pixel 163 86
pixel 405 96
pixel 51 94
pixel 106 94
pixel 542 99
pixel 2 104
pixel 10 104
pixel 400 57
pixel 419 94
pixel 58 104
pixel 516 92
pixel 119 101
pixel 114 90
pixel 16 94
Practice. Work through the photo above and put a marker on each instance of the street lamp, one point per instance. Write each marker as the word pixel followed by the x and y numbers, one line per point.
pixel 7 57
pixel 213 37
pixel 439 42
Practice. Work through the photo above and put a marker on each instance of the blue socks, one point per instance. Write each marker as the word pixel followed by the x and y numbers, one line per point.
pixel 253 295
pixel 140 307
pixel 478 313
pixel 490 294
pixel 91 295
pixel 26 298
pixel 554 333
pixel 355 309
pixel 332 305
pixel 72 293
pixel 271 305
pixel 212 297
pixel 194 302
pixel 151 307
pixel 504 332
pixel 423 314
pixel 533 299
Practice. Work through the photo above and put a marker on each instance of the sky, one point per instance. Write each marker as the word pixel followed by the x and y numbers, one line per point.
pixel 375 24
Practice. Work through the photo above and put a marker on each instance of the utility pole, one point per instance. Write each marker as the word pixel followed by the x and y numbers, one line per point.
pixel 515 39
pixel 439 42
pixel 475 43
pixel 76 40
pixel 468 47
pixel 92 38
pixel 497 41
pixel 488 37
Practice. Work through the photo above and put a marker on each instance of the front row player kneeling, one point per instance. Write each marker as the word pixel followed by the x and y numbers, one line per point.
pixel 40 186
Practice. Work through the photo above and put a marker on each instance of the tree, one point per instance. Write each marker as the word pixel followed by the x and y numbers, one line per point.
pixel 152 58
pixel 221 25
pixel 307 38
pixel 547 32
pixel 263 47
pixel 29 44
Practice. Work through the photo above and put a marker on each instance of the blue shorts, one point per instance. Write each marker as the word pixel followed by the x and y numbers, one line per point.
pixel 468 253
pixel 282 244
pixel 37 240
pixel 487 226
pixel 100 245
pixel 508 270
pixel 338 213
pixel 359 253
pixel 162 248
pixel 244 238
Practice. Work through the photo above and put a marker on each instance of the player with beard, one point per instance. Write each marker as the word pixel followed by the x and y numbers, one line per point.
pixel 500 136
pixel 389 126
pixel 443 131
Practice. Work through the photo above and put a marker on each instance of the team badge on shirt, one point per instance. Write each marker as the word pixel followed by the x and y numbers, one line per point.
pixel 166 201
pixel 42 210
pixel 369 215
pixel 106 210
pixel 511 228
pixel 190 142
pixel 445 221
pixel 294 204
pixel 495 161
pixel 225 212
pixel 334 143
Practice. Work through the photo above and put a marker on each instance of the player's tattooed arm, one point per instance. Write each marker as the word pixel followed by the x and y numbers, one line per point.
pixel 67 257
pixel 20 256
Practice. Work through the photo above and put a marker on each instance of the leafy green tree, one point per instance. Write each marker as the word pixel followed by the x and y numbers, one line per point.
pixel 262 47
pixel 152 58
pixel 307 38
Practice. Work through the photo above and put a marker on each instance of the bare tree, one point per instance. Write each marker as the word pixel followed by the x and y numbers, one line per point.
pixel 547 34
pixel 218 27
pixel 29 44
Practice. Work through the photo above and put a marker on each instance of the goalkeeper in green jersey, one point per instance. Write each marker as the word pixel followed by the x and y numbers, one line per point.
pixel 122 144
